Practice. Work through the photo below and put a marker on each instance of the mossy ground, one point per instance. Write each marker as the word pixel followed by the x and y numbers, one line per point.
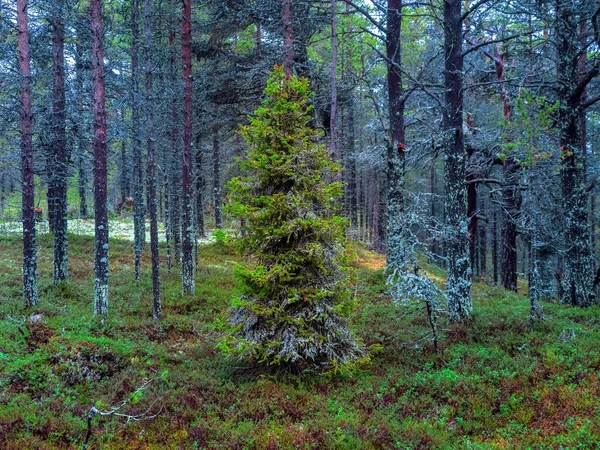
pixel 496 384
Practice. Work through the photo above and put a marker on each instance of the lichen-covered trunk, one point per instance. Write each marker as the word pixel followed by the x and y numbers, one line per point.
pixel 577 281
pixel 188 231
pixel 151 171
pixel 495 249
pixel 30 291
pixel 139 220
pixel 100 172
pixel 457 237
pixel 482 243
pixel 174 191
pixel 472 209
pixel 395 148
pixel 350 195
pixel 200 184
pixel 216 156
pixel 511 205
pixel 78 128
pixel 124 182
pixel 59 147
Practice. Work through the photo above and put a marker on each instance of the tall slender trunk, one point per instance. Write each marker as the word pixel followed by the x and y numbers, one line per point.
pixel 457 240
pixel 395 150
pixel 100 211
pixel 495 248
pixel 30 274
pixel 288 42
pixel 483 245
pixel 200 184
pixel 175 155
pixel 511 207
pixel 577 282
pixel 187 266
pixel 78 130
pixel 472 211
pixel 59 146
pixel 334 49
pixel 124 182
pixel 139 220
pixel 151 175
pixel 217 177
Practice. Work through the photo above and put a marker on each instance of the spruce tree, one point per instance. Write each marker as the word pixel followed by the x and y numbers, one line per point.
pixel 294 303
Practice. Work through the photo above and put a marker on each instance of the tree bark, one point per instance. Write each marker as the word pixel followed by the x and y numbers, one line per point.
pixel 156 310
pixel 217 177
pixel 577 282
pixel 457 239
pixel 59 146
pixel 139 214
pixel 288 43
pixel 511 207
pixel 30 274
pixel 395 148
pixel 187 266
pixel 100 172
pixel 175 155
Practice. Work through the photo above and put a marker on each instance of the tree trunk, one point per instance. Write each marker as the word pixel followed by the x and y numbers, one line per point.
pixel 495 249
pixel 217 177
pixel 483 247
pixel 156 310
pixel 175 156
pixel 395 149
pixel 59 147
pixel 457 238
pixel 187 266
pixel 200 184
pixel 30 291
pixel 511 207
pixel 288 43
pixel 78 129
pixel 100 180
pixel 334 49
pixel 577 281
pixel 139 214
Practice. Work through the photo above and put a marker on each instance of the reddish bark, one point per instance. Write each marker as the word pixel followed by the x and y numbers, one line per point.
pixel 29 250
pixel 288 43
pixel 100 168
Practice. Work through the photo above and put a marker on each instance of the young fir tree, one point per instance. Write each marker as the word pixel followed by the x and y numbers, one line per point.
pixel 294 304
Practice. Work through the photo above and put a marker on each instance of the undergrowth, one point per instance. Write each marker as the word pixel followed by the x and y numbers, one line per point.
pixel 495 384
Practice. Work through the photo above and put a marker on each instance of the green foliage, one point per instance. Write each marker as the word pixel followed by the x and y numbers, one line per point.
pixel 293 304
pixel 496 385
pixel 221 237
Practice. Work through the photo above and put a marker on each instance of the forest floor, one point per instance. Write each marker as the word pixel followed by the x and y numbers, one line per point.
pixel 495 385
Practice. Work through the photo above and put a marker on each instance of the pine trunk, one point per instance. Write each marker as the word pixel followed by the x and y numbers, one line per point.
pixel 59 147
pixel 457 239
pixel 100 172
pixel 30 291
pixel 139 220
pixel 152 169
pixel 395 149
pixel 187 266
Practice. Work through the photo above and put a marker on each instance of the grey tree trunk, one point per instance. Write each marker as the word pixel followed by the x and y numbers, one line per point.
pixel 188 231
pixel 396 147
pixel 457 240
pixel 151 175
pixel 59 147
pixel 139 221
pixel 577 281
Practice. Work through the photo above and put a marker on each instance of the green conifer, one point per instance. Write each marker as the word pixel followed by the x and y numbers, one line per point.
pixel 294 303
